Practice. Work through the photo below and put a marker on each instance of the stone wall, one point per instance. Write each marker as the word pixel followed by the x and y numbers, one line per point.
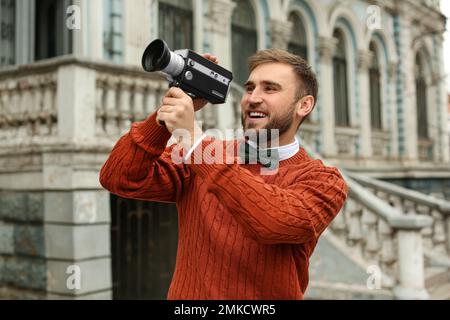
pixel 22 244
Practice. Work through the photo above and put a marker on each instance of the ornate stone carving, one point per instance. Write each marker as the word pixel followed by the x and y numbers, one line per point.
pixel 326 48
pixel 219 16
pixel 280 32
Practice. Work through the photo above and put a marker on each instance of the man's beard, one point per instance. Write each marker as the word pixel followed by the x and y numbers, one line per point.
pixel 281 123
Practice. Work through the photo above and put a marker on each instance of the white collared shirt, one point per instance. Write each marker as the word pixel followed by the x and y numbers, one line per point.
pixel 285 152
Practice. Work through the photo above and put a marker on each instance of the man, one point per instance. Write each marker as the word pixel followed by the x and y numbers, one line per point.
pixel 242 235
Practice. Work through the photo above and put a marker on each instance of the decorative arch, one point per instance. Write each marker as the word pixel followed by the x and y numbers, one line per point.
pixel 314 23
pixel 387 106
pixel 262 14
pixel 424 91
pixel 351 55
pixel 387 42
pixel 342 15
pixel 244 37
pixel 308 16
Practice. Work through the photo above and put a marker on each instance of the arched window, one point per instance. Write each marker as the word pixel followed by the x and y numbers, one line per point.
pixel 340 81
pixel 421 98
pixel 244 39
pixel 375 89
pixel 298 43
pixel 7 32
pixel 113 35
pixel 175 23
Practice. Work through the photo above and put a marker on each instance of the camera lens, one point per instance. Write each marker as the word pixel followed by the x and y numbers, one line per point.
pixel 158 57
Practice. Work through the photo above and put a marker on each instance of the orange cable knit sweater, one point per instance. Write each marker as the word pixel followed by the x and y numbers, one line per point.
pixel 242 235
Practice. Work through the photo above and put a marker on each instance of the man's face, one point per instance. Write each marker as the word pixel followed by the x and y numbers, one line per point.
pixel 269 100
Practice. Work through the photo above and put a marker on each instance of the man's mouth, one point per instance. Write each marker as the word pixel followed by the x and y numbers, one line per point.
pixel 256 115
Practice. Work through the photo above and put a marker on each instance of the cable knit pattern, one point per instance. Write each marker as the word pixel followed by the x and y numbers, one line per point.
pixel 242 235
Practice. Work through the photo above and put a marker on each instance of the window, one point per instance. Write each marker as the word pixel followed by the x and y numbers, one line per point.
pixel 421 98
pixel 298 43
pixel 7 32
pixel 243 38
pixel 113 35
pixel 340 82
pixel 176 23
pixel 52 38
pixel 375 89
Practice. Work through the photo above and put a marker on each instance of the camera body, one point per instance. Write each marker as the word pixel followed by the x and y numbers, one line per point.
pixel 194 74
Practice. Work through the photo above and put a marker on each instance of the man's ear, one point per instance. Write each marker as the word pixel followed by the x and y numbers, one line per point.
pixel 305 106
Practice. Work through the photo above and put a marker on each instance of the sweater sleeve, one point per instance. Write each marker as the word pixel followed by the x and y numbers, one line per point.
pixel 297 213
pixel 140 166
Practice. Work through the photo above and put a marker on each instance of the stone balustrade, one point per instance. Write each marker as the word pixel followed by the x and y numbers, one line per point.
pixel 381 235
pixel 425 149
pixel 436 237
pixel 27 105
pixel 346 141
pixel 381 144
pixel 124 99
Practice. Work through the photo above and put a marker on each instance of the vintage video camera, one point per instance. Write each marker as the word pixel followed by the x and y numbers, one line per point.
pixel 195 75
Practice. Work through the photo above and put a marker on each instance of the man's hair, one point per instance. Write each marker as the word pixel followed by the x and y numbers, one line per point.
pixel 307 78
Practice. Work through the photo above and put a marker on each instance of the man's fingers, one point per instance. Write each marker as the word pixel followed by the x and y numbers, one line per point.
pixel 176 92
pixel 169 101
pixel 210 57
pixel 166 109
pixel 164 116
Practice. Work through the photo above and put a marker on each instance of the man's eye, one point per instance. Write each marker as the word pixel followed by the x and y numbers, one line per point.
pixel 270 88
pixel 249 89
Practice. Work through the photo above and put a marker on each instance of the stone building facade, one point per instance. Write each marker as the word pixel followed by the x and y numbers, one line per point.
pixel 71 84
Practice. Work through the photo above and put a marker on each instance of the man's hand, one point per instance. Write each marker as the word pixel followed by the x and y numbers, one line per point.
pixel 177 112
pixel 200 103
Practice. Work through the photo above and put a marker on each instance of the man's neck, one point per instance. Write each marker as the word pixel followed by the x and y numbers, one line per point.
pixel 285 141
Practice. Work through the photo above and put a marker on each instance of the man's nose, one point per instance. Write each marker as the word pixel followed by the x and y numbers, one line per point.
pixel 255 97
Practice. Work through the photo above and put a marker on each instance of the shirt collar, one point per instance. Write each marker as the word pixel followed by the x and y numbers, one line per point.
pixel 285 152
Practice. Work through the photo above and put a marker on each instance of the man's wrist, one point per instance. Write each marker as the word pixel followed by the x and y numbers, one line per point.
pixel 194 145
pixel 190 138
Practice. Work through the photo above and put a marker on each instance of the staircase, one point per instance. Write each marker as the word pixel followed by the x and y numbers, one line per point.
pixel 387 242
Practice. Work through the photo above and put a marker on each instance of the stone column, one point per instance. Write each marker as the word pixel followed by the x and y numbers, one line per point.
pixel 326 49
pixel 137 29
pixel 444 145
pixel 408 113
pixel 280 33
pixel 25 13
pixel 218 27
pixel 88 40
pixel 364 61
pixel 391 82
pixel 411 266
pixel 76 209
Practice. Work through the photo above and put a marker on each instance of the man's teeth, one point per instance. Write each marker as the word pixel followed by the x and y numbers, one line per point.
pixel 257 115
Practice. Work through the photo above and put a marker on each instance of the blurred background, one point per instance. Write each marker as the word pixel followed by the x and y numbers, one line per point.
pixel 71 84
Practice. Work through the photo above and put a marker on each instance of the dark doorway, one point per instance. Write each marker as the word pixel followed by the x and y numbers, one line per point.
pixel 143 246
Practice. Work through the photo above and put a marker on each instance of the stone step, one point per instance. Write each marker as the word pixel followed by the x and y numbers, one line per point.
pixel 441 292
pixel 344 291
pixel 436 276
